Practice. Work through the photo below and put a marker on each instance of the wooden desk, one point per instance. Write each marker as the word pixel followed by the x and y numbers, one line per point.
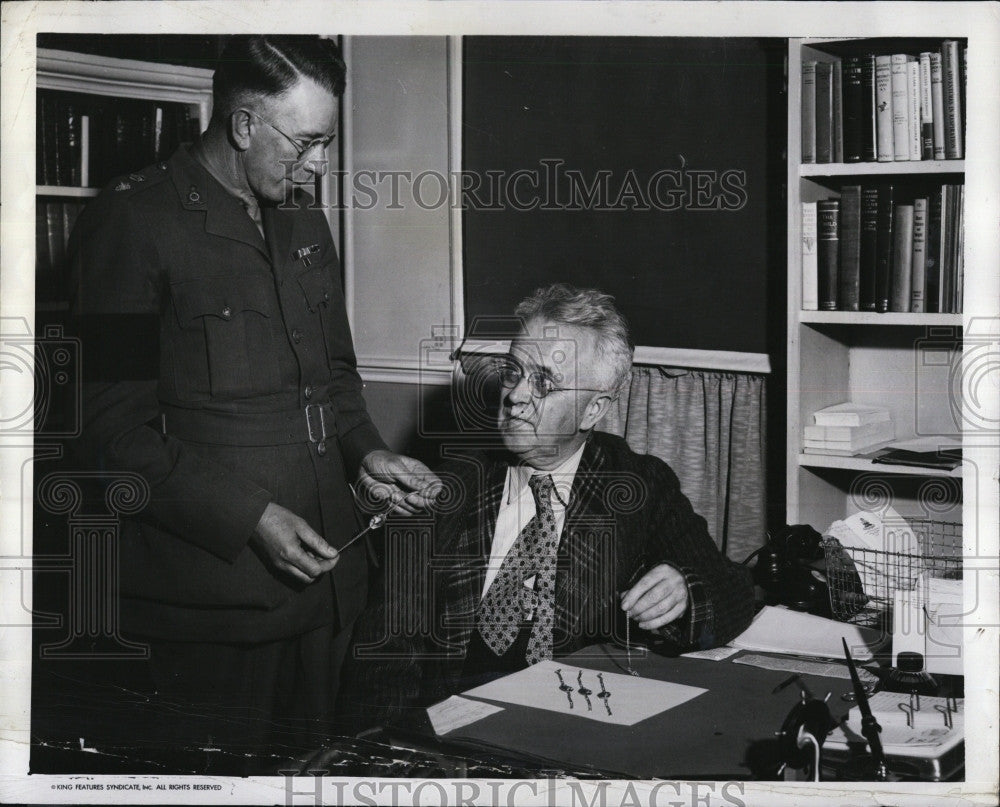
pixel 727 732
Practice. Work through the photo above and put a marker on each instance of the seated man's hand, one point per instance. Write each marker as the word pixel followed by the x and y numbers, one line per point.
pixel 408 483
pixel 291 545
pixel 660 597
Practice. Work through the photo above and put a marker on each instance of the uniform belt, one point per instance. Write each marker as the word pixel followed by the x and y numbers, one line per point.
pixel 314 423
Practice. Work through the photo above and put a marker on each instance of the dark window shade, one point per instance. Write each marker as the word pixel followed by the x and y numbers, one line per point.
pixel 692 277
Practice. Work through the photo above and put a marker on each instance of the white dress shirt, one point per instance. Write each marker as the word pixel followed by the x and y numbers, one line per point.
pixel 517 508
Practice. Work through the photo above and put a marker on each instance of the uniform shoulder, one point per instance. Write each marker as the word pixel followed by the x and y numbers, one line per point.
pixel 137 182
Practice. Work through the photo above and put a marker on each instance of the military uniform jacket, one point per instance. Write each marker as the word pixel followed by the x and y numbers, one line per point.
pixel 220 367
pixel 626 513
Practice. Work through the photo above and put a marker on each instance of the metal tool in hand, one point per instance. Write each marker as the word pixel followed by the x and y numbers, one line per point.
pixel 628 622
pixel 374 522
pixel 869 725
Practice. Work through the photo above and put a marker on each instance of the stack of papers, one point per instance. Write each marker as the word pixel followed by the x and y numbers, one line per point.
pixel 781 630
pixel 867 537
pixel 929 732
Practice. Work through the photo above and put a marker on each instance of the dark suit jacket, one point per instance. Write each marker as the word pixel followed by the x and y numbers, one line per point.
pixel 187 313
pixel 626 513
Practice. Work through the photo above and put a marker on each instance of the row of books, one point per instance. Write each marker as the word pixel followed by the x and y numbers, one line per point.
pixel 870 250
pixel 54 221
pixel 848 428
pixel 85 140
pixel 885 107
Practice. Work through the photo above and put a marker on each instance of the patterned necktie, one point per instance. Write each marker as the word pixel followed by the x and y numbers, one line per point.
pixel 508 600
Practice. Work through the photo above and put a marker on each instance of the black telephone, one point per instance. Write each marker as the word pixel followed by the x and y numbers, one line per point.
pixel 786 570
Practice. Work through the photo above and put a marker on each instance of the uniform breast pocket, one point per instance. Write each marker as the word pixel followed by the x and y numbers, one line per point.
pixel 226 345
pixel 318 290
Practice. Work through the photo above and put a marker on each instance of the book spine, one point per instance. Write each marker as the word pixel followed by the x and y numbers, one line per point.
pixel 810 270
pixel 869 124
pixel 918 265
pixel 962 55
pixel 869 249
pixel 43 142
pixel 853 110
pixel 848 278
pixel 883 108
pixel 827 215
pixel 947 248
pixel 932 270
pixel 824 112
pixel 902 258
pixel 884 243
pixel 838 112
pixel 85 151
pixel 808 111
pixel 926 109
pixel 900 108
pixel 54 234
pixel 937 106
pixel 957 300
pixel 952 101
pixel 913 73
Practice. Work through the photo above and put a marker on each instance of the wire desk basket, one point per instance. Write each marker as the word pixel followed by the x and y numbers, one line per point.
pixel 862 581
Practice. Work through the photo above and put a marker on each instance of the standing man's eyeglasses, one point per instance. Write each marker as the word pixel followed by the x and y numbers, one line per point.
pixel 301 149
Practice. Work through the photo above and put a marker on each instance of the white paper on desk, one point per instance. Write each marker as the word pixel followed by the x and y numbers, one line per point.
pixel 781 630
pixel 714 654
pixel 456 712
pixel 867 532
pixel 631 699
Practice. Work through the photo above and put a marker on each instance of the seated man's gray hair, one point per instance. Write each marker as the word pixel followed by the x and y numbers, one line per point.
pixel 587 308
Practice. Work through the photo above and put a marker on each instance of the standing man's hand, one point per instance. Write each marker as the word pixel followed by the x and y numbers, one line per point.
pixel 408 483
pixel 292 546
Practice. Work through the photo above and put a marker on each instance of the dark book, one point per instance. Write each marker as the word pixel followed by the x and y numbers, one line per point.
pixel 854 109
pixel 902 258
pixel 70 158
pixel 43 146
pixel 883 248
pixel 827 247
pixel 808 112
pixel 958 286
pixel 947 248
pixel 918 265
pixel 943 459
pixel 869 132
pixel 933 262
pixel 926 109
pixel 848 276
pixel 824 112
pixel 43 261
pixel 868 257
pixel 54 237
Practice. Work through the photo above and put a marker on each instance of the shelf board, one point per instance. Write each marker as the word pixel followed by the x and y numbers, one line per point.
pixel 873 318
pixel 865 464
pixel 879 169
pixel 68 191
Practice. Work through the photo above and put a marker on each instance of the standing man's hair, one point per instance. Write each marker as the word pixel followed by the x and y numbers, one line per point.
pixel 255 66
pixel 586 308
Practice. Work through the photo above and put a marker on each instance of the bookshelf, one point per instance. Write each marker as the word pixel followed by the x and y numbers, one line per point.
pixel 136 112
pixel 903 361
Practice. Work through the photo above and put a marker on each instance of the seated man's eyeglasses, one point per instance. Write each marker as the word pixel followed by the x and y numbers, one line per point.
pixel 301 149
pixel 540 383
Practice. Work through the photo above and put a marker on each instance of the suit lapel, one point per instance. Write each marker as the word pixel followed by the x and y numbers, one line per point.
pixel 586 539
pixel 472 552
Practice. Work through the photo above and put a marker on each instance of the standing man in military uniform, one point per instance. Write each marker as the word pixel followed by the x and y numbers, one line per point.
pixel 220 366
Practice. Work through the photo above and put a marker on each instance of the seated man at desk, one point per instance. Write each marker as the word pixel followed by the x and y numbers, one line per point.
pixel 548 545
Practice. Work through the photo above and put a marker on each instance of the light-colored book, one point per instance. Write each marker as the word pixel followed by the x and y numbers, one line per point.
pixel 900 107
pixel 810 258
pixel 850 414
pixel 781 630
pixel 883 108
pixel 913 118
pixel 848 434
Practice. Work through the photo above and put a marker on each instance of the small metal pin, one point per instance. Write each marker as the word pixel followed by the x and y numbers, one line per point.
pixel 944 710
pixel 915 701
pixel 908 711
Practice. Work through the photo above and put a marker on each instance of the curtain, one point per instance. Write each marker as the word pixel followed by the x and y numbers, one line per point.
pixel 709 427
